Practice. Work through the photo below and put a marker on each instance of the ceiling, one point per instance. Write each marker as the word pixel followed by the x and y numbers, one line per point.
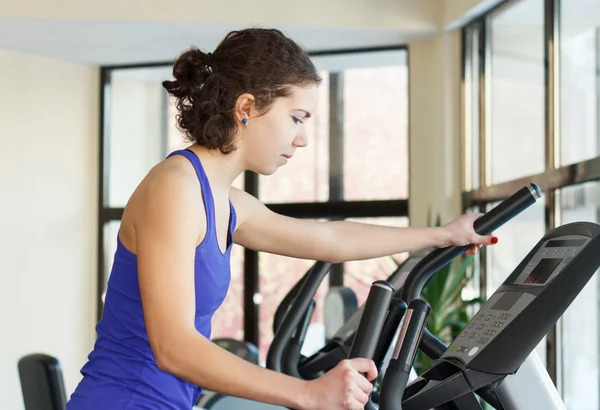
pixel 119 42
pixel 116 32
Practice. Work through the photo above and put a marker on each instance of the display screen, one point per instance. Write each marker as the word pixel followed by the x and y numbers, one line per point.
pixel 565 242
pixel 506 301
pixel 543 270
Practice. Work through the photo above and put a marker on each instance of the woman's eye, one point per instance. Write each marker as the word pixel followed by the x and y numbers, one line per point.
pixel 297 120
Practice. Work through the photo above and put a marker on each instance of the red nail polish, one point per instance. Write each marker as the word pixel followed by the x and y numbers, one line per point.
pixel 494 239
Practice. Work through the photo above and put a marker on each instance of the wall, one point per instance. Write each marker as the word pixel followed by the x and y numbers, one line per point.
pixel 434 137
pixel 48 200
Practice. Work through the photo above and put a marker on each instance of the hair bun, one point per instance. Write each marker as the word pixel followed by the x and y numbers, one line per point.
pixel 190 72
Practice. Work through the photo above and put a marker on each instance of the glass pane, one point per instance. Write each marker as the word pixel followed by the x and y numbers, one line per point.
pixel 135 137
pixel 228 320
pixel 515 240
pixel 580 360
pixel 306 177
pixel 376 133
pixel 517 91
pixel 175 139
pixel 277 275
pixel 579 80
pixel 111 230
pixel 471 85
pixel 359 275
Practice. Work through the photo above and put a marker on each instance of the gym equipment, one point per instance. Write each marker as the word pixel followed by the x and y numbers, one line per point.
pixel 494 356
pixel 42 383
pixel 340 304
pixel 284 352
pixel 287 360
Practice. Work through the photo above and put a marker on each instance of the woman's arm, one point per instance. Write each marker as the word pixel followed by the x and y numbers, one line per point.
pixel 338 241
pixel 168 225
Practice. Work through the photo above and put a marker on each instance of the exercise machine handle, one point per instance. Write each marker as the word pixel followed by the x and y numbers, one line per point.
pixel 294 315
pixel 398 371
pixel 372 320
pixel 394 317
pixel 293 353
pixel 486 224
pixel 440 257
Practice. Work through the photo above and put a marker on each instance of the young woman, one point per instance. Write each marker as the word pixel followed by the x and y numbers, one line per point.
pixel 242 107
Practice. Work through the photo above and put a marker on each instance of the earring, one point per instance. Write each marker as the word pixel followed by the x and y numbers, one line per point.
pixel 244 121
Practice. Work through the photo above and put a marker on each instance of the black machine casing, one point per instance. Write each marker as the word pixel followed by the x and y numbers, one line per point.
pixel 511 323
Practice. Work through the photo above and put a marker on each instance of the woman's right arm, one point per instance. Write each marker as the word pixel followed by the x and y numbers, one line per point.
pixel 168 223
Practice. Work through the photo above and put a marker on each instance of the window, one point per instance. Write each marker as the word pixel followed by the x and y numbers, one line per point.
pixel 305 178
pixel 580 322
pixel 517 90
pixel 579 80
pixel 135 139
pixel 376 133
pixel 531 45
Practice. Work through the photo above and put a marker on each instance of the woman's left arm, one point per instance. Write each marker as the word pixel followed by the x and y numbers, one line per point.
pixel 261 229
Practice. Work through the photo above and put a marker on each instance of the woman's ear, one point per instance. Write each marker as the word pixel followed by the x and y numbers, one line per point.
pixel 244 107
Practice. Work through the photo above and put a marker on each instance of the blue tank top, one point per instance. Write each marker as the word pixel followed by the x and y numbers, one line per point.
pixel 121 371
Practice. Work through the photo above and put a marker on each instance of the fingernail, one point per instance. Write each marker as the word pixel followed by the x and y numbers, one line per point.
pixel 494 239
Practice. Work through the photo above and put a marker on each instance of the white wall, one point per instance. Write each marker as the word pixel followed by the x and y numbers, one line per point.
pixel 48 200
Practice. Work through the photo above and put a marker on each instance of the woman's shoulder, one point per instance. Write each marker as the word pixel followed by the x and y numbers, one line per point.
pixel 168 193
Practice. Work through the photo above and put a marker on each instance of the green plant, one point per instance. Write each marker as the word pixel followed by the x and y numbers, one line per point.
pixel 450 313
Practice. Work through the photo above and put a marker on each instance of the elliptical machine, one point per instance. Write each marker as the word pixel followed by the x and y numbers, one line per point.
pixel 493 359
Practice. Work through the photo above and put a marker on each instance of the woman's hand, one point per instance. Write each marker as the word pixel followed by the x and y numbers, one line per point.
pixel 460 232
pixel 344 387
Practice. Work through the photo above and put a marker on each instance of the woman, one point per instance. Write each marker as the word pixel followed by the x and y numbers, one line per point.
pixel 243 108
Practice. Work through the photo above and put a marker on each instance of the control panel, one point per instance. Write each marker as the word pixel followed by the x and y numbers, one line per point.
pixel 497 314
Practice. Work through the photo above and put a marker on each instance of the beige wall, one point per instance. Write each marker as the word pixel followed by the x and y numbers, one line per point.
pixel 48 200
pixel 434 101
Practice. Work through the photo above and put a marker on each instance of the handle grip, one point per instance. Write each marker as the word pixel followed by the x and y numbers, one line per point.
pixel 372 320
pixel 293 354
pixel 398 371
pixel 394 317
pixel 484 225
pixel 294 315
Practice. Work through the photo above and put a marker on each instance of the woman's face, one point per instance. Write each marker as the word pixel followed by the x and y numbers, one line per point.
pixel 270 140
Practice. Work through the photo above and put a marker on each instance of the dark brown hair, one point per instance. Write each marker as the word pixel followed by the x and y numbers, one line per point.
pixel 262 62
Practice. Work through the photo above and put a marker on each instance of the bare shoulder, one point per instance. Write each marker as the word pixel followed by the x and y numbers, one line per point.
pixel 169 195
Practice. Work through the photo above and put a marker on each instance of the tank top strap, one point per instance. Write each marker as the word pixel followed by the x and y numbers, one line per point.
pixel 207 195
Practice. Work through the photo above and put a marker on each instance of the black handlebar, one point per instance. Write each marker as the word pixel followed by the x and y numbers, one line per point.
pixel 398 371
pixel 294 314
pixel 372 320
pixel 440 257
